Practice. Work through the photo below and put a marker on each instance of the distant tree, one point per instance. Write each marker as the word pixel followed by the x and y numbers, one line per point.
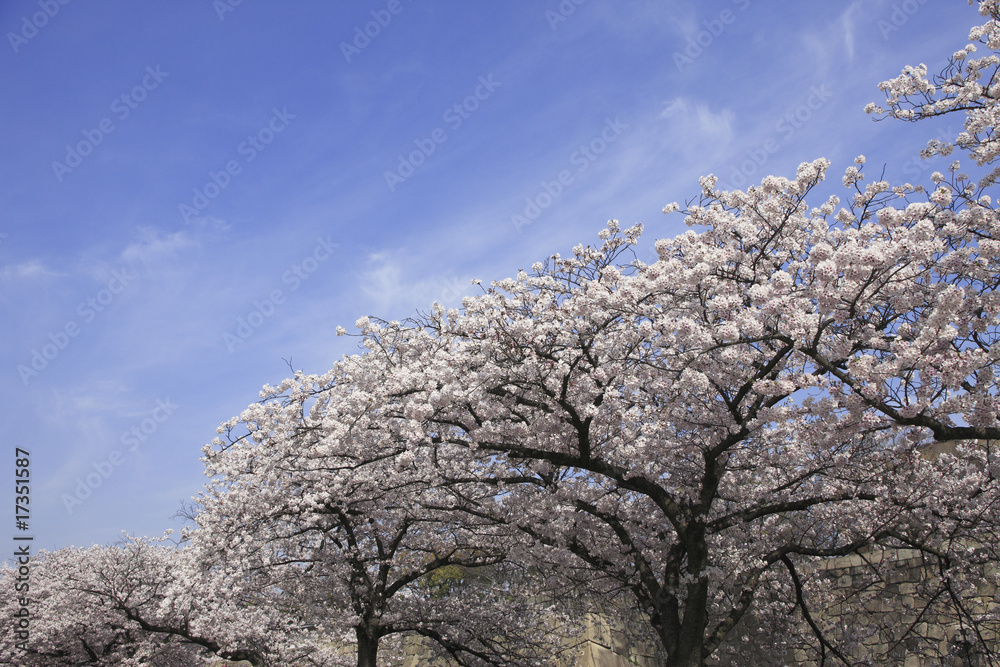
pixel 139 602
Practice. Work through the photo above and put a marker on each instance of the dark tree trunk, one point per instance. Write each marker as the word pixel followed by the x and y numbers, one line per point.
pixel 688 653
pixel 689 642
pixel 367 647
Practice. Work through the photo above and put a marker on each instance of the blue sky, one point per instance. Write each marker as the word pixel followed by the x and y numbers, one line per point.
pixel 194 192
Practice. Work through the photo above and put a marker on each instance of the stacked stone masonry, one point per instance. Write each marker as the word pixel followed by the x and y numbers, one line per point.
pixel 890 613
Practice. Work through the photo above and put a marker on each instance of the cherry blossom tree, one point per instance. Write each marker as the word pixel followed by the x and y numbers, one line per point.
pixel 323 493
pixel 143 602
pixel 708 429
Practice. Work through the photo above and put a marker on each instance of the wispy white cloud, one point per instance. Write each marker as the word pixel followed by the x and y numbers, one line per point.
pixel 210 222
pixel 397 284
pixel 826 48
pixel 381 281
pixel 699 118
pixel 153 245
pixel 84 414
pixel 32 269
pixel 848 21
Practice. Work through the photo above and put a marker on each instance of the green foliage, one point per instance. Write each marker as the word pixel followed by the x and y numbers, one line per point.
pixel 444 581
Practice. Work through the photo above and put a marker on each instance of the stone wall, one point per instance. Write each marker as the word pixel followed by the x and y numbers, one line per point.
pixel 602 643
pixel 891 610
pixel 896 609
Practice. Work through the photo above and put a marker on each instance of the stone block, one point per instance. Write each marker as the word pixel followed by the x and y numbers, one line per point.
pixel 619 643
pixel 602 657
